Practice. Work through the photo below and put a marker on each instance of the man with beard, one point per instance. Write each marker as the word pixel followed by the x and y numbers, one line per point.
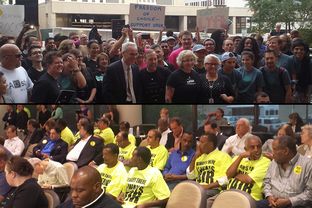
pixel 153 79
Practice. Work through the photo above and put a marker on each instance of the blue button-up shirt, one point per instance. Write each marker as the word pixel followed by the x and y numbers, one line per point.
pixel 178 162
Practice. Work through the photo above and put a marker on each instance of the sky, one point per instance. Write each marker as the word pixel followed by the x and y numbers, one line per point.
pixel 236 3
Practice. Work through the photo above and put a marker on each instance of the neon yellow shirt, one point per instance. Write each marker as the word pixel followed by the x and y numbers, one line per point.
pixel 159 156
pixel 144 186
pixel 68 136
pixel 77 136
pixel 131 139
pixel 210 167
pixel 126 154
pixel 106 134
pixel 113 179
pixel 255 169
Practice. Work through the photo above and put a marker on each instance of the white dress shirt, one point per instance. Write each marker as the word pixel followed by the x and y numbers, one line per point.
pixel 74 154
pixel 14 145
pixel 130 97
pixel 237 143
pixel 164 137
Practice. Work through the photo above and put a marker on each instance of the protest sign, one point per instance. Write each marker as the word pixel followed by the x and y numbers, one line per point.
pixel 146 17
pixel 212 18
pixel 11 19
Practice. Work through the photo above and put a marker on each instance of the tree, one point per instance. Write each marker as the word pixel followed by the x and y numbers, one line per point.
pixel 296 14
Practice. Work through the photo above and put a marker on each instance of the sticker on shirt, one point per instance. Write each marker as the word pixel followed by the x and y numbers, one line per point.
pixel 184 158
pixel 44 141
pixel 297 169
pixel 92 143
pixel 190 81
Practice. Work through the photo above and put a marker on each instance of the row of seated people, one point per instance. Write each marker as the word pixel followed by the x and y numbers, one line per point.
pixel 208 166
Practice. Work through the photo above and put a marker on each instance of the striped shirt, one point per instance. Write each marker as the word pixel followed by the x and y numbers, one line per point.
pixel 293 183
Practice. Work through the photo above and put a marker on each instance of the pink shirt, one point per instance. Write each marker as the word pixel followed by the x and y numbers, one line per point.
pixel 172 59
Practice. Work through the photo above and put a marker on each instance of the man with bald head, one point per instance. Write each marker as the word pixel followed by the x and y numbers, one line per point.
pixel 17 79
pixel 249 168
pixel 86 191
pixel 235 144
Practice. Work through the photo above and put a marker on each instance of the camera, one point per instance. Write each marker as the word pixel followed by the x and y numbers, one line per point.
pixel 145 36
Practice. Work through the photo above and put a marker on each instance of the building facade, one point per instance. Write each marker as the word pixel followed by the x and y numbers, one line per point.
pixel 84 13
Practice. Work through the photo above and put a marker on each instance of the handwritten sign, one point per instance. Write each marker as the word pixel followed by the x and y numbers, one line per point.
pixel 11 19
pixel 214 18
pixel 146 17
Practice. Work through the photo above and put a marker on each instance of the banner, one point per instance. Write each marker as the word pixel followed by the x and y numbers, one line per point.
pixel 11 19
pixel 213 18
pixel 146 17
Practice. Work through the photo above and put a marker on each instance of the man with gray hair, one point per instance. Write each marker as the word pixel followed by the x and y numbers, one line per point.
pixel 122 83
pixel 287 182
pixel 235 144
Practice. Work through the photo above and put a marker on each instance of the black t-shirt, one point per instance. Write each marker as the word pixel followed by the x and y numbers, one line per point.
pixel 200 70
pixel 154 85
pixel 27 195
pixel 99 81
pixel 90 63
pixel 85 92
pixel 34 74
pixel 46 90
pixel 44 116
pixel 187 86
pixel 211 91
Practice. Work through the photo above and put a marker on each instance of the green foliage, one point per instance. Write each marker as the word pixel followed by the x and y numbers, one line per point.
pixel 297 13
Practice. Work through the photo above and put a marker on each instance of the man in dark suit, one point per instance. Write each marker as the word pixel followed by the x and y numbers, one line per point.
pixel 175 136
pixel 122 82
pixel 153 79
pixel 88 148
pixel 52 147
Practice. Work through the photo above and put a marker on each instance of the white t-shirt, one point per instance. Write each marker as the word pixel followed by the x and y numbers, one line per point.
pixel 18 83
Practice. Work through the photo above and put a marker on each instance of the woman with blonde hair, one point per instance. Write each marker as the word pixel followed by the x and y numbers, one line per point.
pixel 184 84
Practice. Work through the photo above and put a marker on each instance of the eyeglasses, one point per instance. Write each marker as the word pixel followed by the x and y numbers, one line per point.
pixel 15 55
pixel 36 52
pixel 212 64
pixel 188 60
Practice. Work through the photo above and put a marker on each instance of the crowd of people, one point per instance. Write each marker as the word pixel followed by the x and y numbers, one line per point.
pixel 172 69
pixel 115 170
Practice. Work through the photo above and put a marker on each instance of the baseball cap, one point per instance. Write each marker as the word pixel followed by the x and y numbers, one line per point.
pixel 198 47
pixel 170 38
pixel 227 55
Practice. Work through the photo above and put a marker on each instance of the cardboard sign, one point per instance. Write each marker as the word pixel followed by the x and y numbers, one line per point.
pixel 213 18
pixel 146 17
pixel 11 19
